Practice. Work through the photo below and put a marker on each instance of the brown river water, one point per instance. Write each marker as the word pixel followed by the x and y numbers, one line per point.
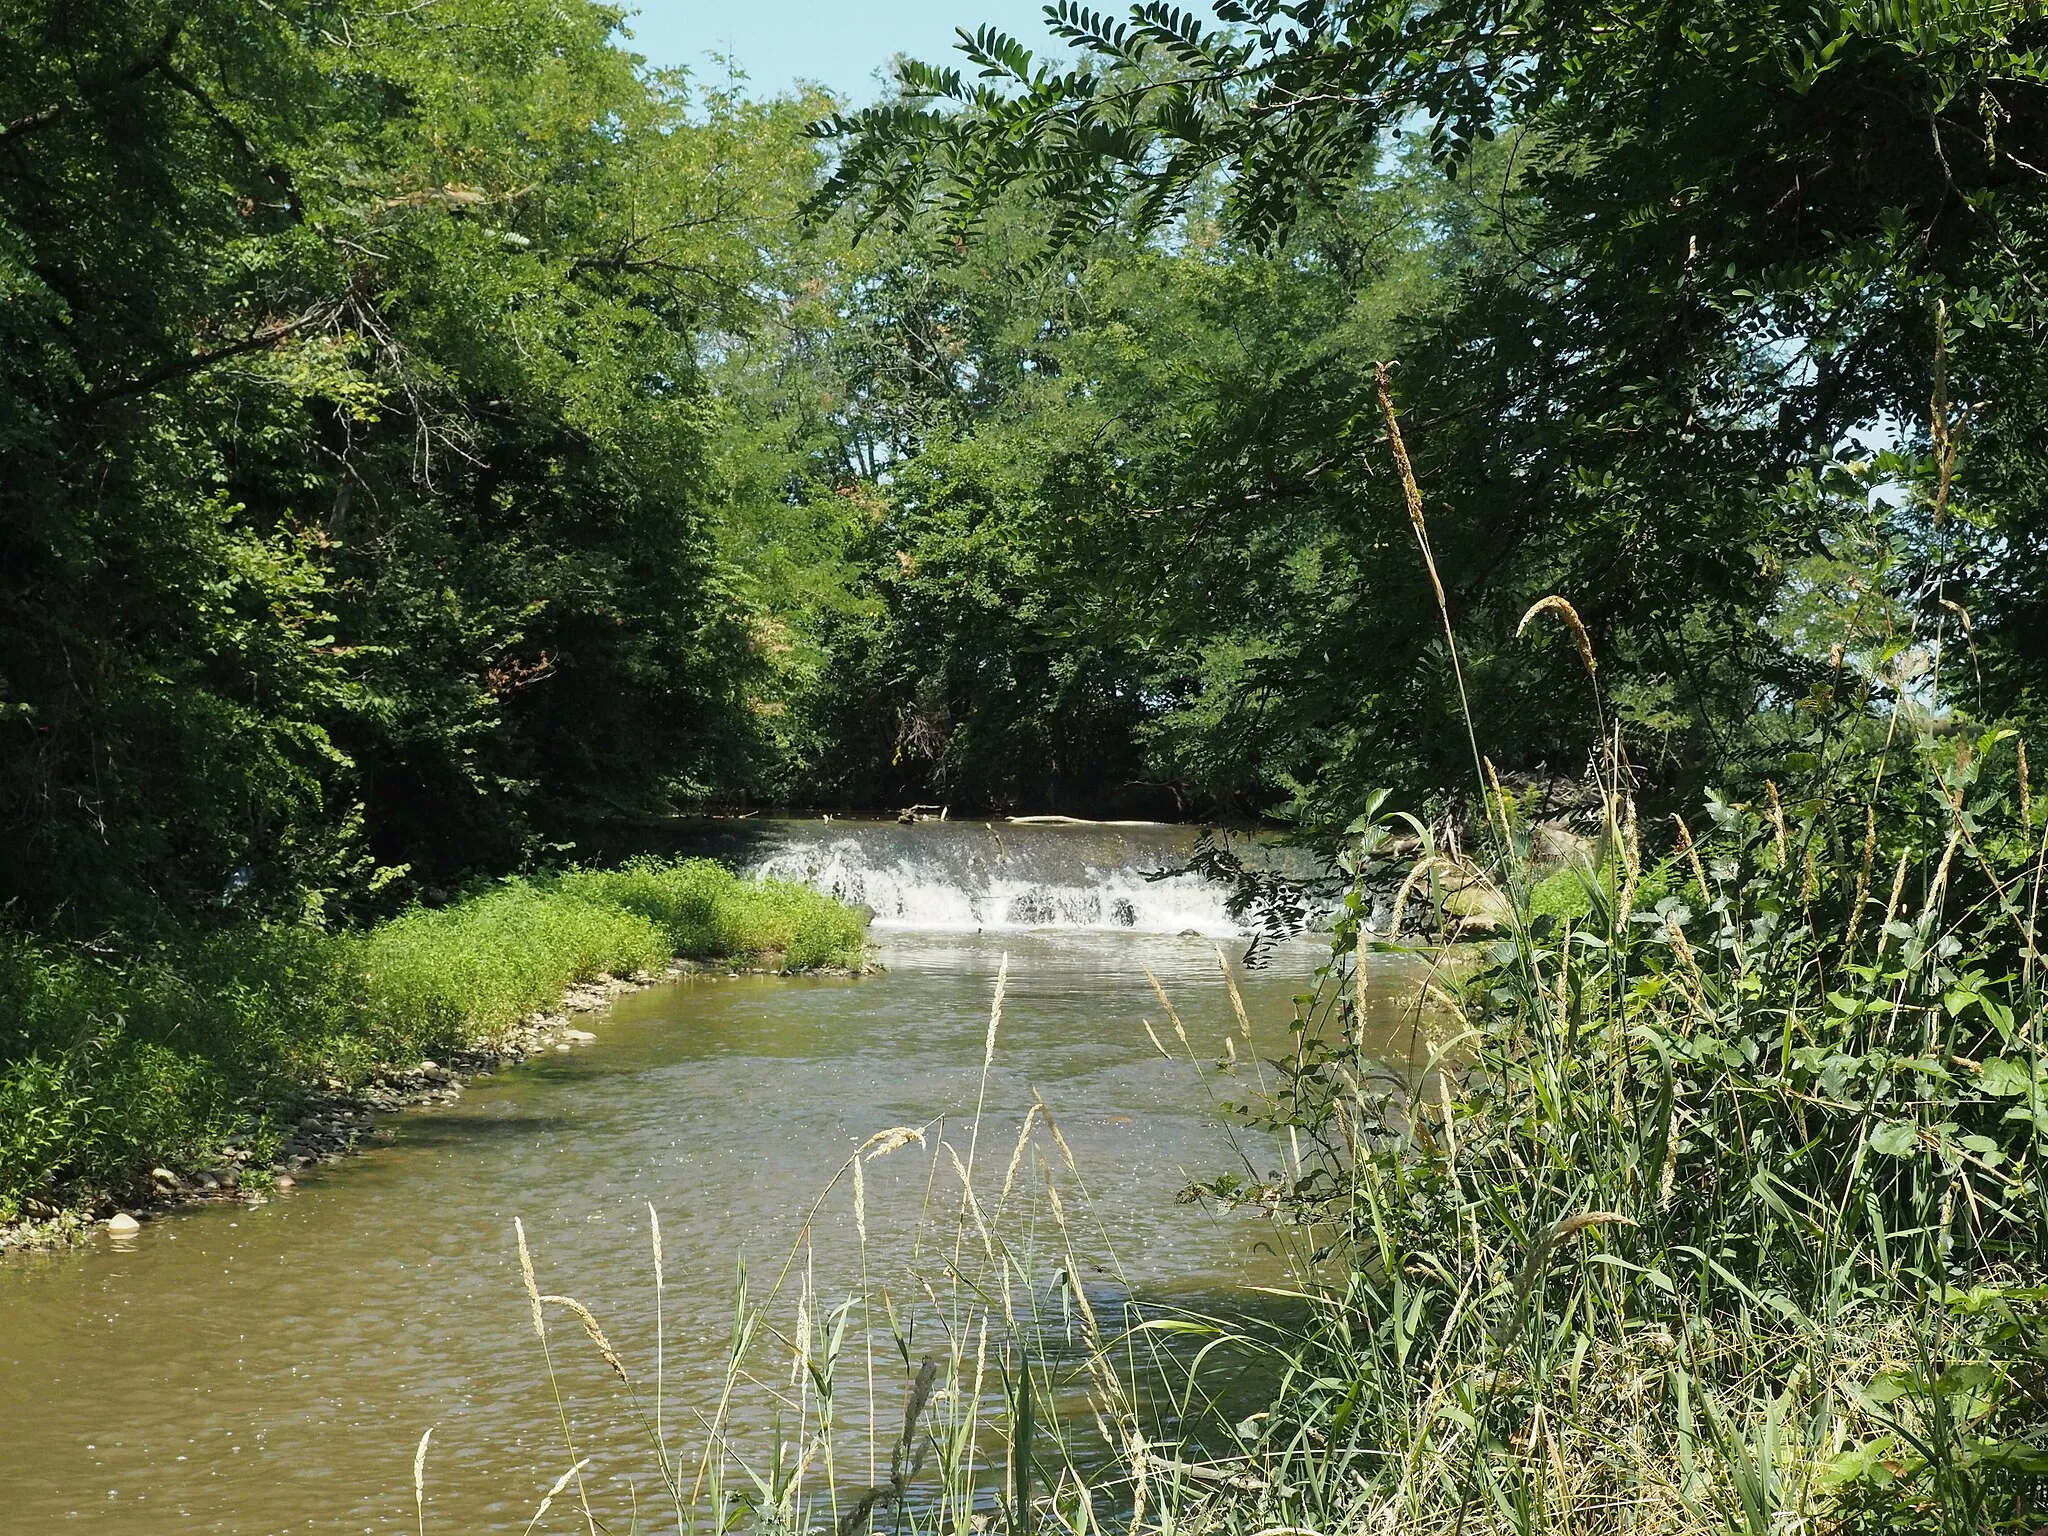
pixel 269 1368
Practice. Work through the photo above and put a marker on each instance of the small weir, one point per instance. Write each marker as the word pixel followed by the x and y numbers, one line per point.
pixel 994 877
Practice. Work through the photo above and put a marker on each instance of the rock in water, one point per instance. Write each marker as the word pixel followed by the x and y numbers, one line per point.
pixel 123 1225
pixel 284 1181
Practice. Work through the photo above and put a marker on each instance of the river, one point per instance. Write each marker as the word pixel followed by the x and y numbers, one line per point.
pixel 269 1368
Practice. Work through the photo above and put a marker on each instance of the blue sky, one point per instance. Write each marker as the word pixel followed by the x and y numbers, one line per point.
pixel 840 44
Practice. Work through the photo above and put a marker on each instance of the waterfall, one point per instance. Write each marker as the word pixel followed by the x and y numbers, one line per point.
pixel 967 876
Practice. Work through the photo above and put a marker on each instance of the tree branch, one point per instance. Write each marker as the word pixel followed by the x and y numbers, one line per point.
pixel 157 58
pixel 276 172
pixel 198 362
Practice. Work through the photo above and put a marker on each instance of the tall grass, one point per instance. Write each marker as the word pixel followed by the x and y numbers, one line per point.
pixel 113 1064
pixel 109 1066
pixel 707 912
pixel 1718 1212
pixel 1718 1205
pixel 976 1382
pixel 441 979
pixel 1715 1205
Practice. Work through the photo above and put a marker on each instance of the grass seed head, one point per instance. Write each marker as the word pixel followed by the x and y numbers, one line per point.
pixel 540 1322
pixel 1570 616
pixel 419 1477
pixel 589 1322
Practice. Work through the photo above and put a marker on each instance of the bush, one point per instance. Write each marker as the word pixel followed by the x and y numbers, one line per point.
pixel 1724 1206
pixel 441 979
pixel 709 913
pixel 108 1067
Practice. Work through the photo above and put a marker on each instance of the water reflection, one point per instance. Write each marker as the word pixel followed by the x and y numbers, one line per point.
pixel 270 1368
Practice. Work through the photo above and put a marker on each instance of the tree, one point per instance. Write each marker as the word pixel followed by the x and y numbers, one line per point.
pixel 355 509
pixel 1724 238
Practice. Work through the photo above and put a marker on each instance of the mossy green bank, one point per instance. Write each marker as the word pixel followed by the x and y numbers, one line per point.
pixel 113 1064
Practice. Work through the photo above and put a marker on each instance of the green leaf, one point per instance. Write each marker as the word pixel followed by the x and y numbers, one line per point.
pixel 1865 1463
pixel 2004 1078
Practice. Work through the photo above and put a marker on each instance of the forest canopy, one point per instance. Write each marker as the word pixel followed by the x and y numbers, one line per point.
pixel 435 440
pixel 1730 334
pixel 359 510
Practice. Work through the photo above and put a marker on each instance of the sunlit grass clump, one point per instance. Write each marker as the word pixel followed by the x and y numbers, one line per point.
pixel 709 913
pixel 449 977
pixel 111 1066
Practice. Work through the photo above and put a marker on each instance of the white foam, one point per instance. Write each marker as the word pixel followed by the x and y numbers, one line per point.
pixel 935 893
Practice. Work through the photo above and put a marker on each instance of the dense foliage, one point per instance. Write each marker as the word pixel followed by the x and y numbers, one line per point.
pixel 1092 510
pixel 356 510
pixel 1719 1204
pixel 430 441
pixel 1710 264
pixel 1710 1199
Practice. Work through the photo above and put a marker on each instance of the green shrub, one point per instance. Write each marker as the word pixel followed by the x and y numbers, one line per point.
pixel 1563 895
pixel 1578 891
pixel 440 979
pixel 1724 1204
pixel 709 913
pixel 110 1066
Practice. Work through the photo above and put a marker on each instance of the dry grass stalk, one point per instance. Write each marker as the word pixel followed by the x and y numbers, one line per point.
pixel 860 1203
pixel 1052 1195
pixel 1058 1140
pixel 548 1498
pixel 1540 1253
pixel 1412 492
pixel 1244 1022
pixel 419 1480
pixel 1422 869
pixel 540 1322
pixel 590 1327
pixel 995 1013
pixel 1777 821
pixel 1179 1029
pixel 1692 857
pixel 1667 1178
pixel 1017 1156
pixel 1409 488
pixel 1631 857
pixel 1891 906
pixel 972 1204
pixel 1572 621
pixel 1939 883
pixel 882 1143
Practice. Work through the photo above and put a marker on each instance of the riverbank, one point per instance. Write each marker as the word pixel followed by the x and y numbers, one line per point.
pixel 1726 1212
pixel 131 1081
